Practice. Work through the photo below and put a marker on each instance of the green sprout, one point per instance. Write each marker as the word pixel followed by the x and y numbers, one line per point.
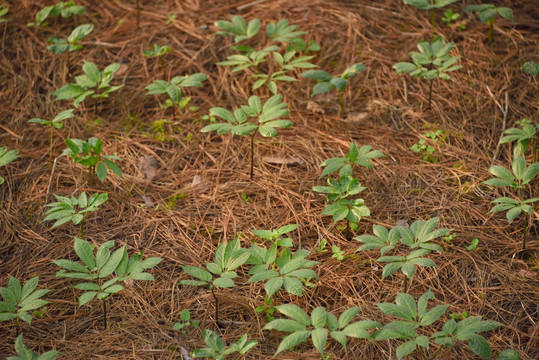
pixel 433 61
pixel 74 209
pixel 425 148
pixel 25 353
pixel 56 123
pixel 64 9
pixel 60 45
pixel 6 157
pixel 523 136
pixel 450 17
pixel 487 13
pixel 218 350
pixel 326 82
pixel 356 156
pixel 158 51
pixel 530 67
pixel 115 267
pixel 185 317
pixel 267 120
pixel 3 11
pixel 430 5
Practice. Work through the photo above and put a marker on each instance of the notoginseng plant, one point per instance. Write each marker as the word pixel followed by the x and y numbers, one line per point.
pixel 104 271
pixel 74 209
pixel 487 13
pixel 61 45
pixel 417 241
pixel 523 136
pixel 88 153
pixel 93 83
pixel 517 178
pixel 217 348
pixel 326 82
pixel 238 28
pixel 424 146
pixel 63 9
pixel 25 353
pixel 341 206
pixel 267 117
pixel 433 61
pixel 185 317
pixel 413 318
pixel 56 123
pixel 318 326
pixel 430 5
pixel 344 165
pixel 219 274
pixel 158 51
pixel 530 67
pixel 174 91
pixel 6 157
pixel 18 301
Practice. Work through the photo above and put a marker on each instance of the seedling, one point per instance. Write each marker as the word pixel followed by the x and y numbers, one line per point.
pixel 433 61
pixel 6 157
pixel 65 9
pixel 473 244
pixel 425 148
pixel 530 67
pixel 18 301
pixel 88 153
pixel 318 326
pixel 487 13
pixel 25 353
pixel 337 253
pixel 283 32
pixel 158 51
pixel 509 354
pixel 56 123
pixel 117 267
pixel 326 82
pixel 171 18
pixel 418 239
pixel 355 156
pixel 266 124
pixel 220 274
pixel 413 317
pixel 430 5
pixel 185 317
pixel 74 209
pixel 3 11
pixel 60 45
pixel 300 45
pixel 93 83
pixel 173 89
pixel 218 350
pixel 524 137
pixel 341 207
pixel 238 28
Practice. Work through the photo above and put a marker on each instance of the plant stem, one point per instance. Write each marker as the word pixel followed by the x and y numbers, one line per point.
pixel 173 111
pixel 405 283
pixel 138 14
pixel 525 235
pixel 433 22
pixel 348 232
pixel 17 330
pixel 104 313
pixel 68 62
pixel 162 62
pixel 437 352
pixel 50 148
pixel 490 30
pixel 252 153
pixel 82 226
pixel 216 305
pixel 341 103
pixel 430 92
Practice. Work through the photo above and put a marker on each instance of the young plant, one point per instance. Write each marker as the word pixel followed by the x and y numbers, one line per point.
pixel 430 5
pixel 524 137
pixel 64 9
pixel 238 28
pixel 158 51
pixel 520 176
pixel 25 353
pixel 88 153
pixel 354 157
pixel 433 61
pixel 449 17
pixel 185 317
pixel 418 240
pixel 414 316
pixel 326 82
pixel 56 123
pixel 282 32
pixel 341 207
pixel 93 83
pixel 74 209
pixel 218 350
pixel 220 274
pixel 18 301
pixel 3 11
pixel 530 67
pixel 425 148
pixel 6 157
pixel 267 120
pixel 60 45
pixel 173 89
pixel 117 267
pixel 318 326
pixel 487 13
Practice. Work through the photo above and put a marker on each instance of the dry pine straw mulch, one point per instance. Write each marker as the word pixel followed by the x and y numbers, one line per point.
pixel 384 110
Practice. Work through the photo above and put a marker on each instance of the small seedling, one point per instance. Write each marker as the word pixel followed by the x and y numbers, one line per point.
pixel 174 91
pixel 56 123
pixel 238 28
pixel 322 246
pixel 355 156
pixel 487 13
pixel 171 18
pixel 88 153
pixel 337 253
pixel 74 209
pixel 530 67
pixel 341 207
pixel 93 83
pixel 60 45
pixel 3 11
pixel 524 137
pixel 424 148
pixel 326 82
pixel 117 266
pixel 267 120
pixel 185 317
pixel 18 301
pixel 318 326
pixel 218 350
pixel 433 61
pixel 430 5
pixel 64 9
pixel 158 51
pixel 25 353
pixel 220 274
pixel 450 17
pixel 473 244
pixel 6 157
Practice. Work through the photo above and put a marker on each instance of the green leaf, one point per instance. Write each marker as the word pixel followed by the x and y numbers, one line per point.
pixel 284 325
pixel 319 75
pixel 406 349
pixel 290 341
pixel 223 282
pixel 480 346
pixel 294 312
pixel 433 315
pixel 347 316
pixel 112 263
pixel 320 337
pixel 87 297
pixel 509 354
pixel 29 287
pixel 85 252
pixel 319 317
pixel 197 273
